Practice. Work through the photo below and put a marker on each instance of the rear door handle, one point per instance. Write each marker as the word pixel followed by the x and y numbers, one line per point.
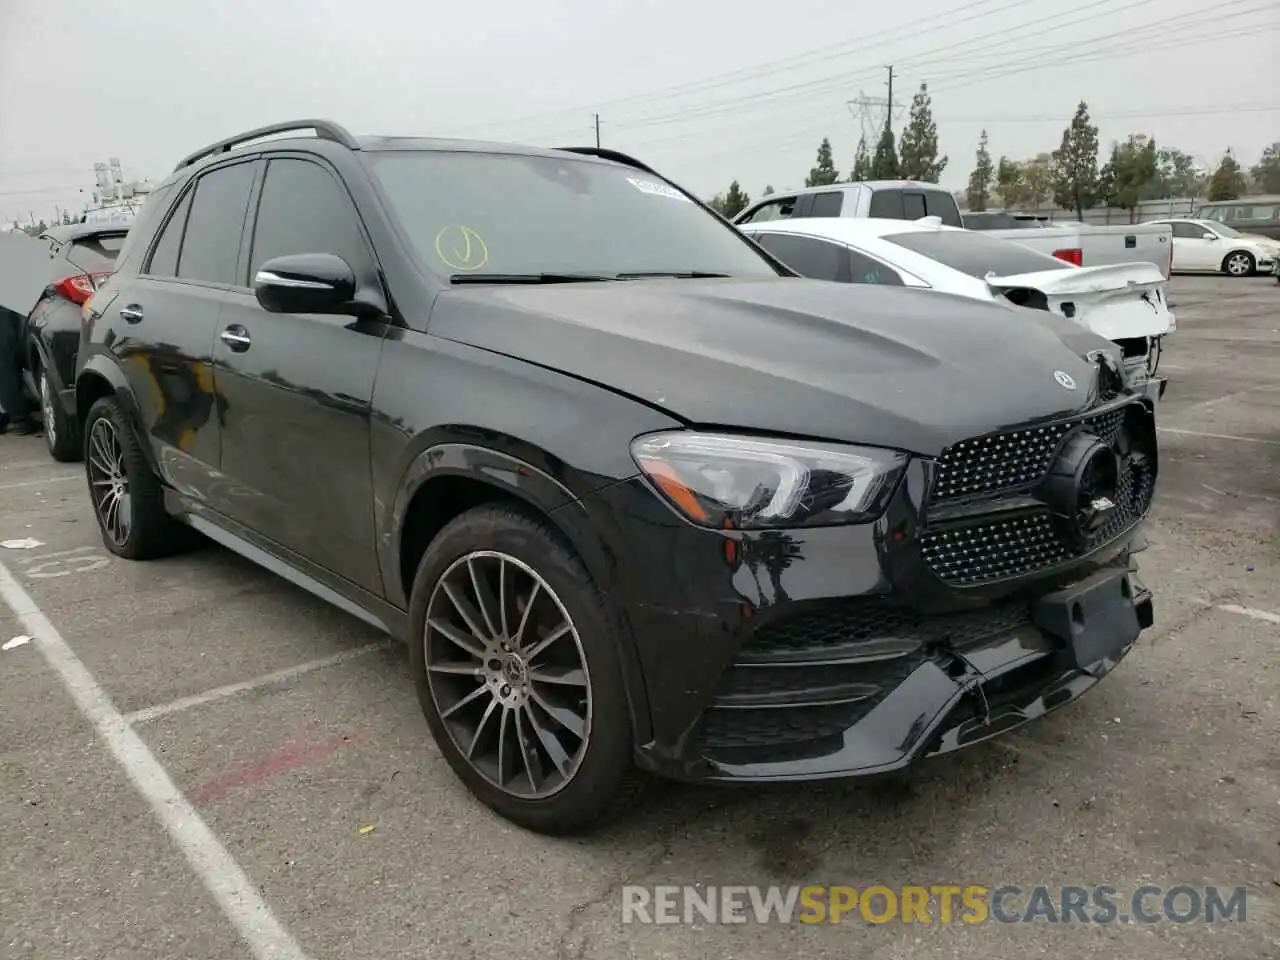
pixel 236 338
pixel 131 314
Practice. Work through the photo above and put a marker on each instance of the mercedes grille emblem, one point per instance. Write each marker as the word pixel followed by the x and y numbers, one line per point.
pixel 1064 379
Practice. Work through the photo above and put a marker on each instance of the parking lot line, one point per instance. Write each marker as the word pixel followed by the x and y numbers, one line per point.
pixel 1218 436
pixel 265 680
pixel 222 876
pixel 40 483
pixel 1251 612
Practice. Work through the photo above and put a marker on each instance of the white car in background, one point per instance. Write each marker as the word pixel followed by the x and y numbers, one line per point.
pixel 1204 246
pixel 1124 302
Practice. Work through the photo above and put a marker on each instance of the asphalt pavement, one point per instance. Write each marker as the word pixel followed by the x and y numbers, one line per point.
pixel 198 760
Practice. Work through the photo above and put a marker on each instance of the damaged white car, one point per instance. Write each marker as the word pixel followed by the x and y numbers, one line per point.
pixel 1124 302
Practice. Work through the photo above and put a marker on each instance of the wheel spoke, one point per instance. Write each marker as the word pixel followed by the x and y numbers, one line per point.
pixel 454 669
pixel 548 640
pixel 561 715
pixel 559 756
pixel 502 596
pixel 484 596
pixel 465 610
pixel 524 617
pixel 566 676
pixel 527 757
pixel 448 631
pixel 474 694
pixel 502 746
pixel 475 737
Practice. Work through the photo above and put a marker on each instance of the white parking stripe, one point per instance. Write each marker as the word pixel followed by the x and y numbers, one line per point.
pixel 222 876
pixel 1218 436
pixel 41 483
pixel 1250 612
pixel 232 689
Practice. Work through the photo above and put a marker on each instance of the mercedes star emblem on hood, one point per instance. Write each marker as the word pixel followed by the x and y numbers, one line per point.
pixel 1065 379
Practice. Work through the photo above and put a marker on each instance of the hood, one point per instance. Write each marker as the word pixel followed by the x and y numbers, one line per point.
pixel 1267 242
pixel 1117 301
pixel 888 366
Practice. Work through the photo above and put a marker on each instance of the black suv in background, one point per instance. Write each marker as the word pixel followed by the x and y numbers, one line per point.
pixel 639 499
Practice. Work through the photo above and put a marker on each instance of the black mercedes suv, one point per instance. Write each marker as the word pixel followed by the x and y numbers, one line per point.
pixel 640 500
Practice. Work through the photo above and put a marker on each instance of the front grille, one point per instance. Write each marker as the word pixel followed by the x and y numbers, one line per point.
pixel 1003 461
pixel 975 550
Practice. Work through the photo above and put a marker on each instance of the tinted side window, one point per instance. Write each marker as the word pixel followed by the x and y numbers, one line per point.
pixel 864 269
pixel 811 258
pixel 773 210
pixel 1189 231
pixel 827 204
pixel 211 245
pixel 887 204
pixel 972 253
pixel 303 209
pixel 164 258
pixel 913 205
pixel 941 204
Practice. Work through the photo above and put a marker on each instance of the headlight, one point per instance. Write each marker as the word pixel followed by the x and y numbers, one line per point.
pixel 744 483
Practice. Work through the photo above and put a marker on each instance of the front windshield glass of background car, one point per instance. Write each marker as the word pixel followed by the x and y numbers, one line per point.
pixel 478 213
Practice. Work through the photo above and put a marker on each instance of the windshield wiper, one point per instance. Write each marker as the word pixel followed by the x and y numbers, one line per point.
pixel 526 278
pixel 691 275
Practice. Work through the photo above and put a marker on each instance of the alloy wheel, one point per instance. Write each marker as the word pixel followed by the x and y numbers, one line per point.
pixel 1238 264
pixel 507 674
pixel 108 483
pixel 46 410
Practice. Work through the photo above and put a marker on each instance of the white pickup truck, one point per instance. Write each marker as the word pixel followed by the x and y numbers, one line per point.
pixel 1084 244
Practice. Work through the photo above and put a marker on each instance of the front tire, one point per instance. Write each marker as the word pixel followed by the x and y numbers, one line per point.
pixel 1239 263
pixel 61 433
pixel 127 498
pixel 516 659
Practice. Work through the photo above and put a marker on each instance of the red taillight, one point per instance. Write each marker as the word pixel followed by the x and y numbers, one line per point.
pixel 1073 255
pixel 79 287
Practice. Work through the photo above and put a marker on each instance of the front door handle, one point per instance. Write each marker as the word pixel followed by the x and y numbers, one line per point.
pixel 131 314
pixel 236 338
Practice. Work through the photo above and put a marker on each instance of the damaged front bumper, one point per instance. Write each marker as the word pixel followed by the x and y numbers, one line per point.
pixel 898 710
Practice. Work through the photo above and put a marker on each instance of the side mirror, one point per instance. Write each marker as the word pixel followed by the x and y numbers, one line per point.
pixel 305 283
pixel 1210 236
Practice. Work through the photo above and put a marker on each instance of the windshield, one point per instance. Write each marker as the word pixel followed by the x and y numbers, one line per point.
pixel 976 254
pixel 1223 230
pixel 477 214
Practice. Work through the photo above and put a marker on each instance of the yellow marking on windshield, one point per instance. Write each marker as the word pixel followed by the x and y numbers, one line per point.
pixel 468 251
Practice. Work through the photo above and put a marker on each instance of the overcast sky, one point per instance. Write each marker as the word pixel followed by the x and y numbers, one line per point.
pixel 706 91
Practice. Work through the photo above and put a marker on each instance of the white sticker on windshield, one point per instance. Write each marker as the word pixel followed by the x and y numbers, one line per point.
pixel 657 189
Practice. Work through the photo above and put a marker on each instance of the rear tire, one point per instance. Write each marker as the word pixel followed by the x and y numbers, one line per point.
pixel 1239 263
pixel 127 498
pixel 554 756
pixel 61 432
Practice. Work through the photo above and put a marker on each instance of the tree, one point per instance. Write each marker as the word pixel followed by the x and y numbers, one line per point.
pixel 825 172
pixel 1266 175
pixel 735 201
pixel 1132 167
pixel 1011 184
pixel 884 165
pixel 1228 180
pixel 979 190
pixel 1075 164
pixel 768 191
pixel 1176 176
pixel 1037 179
pixel 861 162
pixel 918 148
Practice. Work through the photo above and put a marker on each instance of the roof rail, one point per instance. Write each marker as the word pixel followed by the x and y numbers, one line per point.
pixel 325 129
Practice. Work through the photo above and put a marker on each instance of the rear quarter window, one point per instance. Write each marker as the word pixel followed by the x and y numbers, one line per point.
pixel 97 253
pixel 976 254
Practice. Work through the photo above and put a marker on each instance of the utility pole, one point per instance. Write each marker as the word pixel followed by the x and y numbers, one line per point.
pixel 597 116
pixel 888 116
